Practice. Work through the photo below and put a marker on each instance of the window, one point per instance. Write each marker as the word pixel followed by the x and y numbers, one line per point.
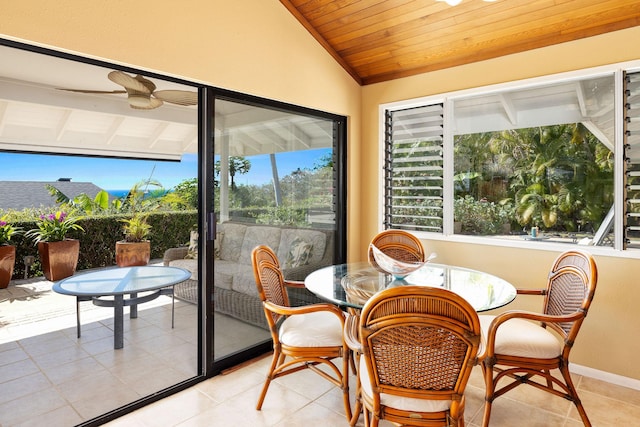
pixel 532 161
pixel 413 168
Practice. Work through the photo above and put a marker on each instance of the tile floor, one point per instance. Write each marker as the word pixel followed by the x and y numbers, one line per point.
pixel 43 379
pixel 46 371
pixel 303 399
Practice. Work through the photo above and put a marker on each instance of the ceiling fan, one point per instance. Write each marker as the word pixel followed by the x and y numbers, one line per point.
pixel 141 92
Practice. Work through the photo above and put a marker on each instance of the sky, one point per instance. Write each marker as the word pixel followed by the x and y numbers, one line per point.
pixel 122 174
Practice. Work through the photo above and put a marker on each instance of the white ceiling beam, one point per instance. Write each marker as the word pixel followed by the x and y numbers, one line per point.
pixel 327 130
pixel 62 124
pixel 3 111
pixel 598 133
pixel 113 129
pixel 582 105
pixel 290 132
pixel 509 108
pixel 192 141
pixel 243 142
pixel 157 133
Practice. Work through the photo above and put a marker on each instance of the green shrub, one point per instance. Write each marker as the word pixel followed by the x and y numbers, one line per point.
pixel 481 217
pixel 98 241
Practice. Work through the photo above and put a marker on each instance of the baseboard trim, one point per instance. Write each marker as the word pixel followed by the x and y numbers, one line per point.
pixel 605 376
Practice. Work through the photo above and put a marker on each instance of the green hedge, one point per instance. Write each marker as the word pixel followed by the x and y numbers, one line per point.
pixel 98 242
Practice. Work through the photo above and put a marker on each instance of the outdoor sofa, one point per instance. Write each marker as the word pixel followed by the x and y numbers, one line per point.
pixel 300 251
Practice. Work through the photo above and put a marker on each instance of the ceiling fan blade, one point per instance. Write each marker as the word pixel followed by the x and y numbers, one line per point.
pixel 150 103
pixel 179 97
pixel 138 83
pixel 93 91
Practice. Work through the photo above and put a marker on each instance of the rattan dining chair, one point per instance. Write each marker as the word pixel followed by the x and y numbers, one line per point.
pixel 398 244
pixel 303 337
pixel 527 347
pixel 419 345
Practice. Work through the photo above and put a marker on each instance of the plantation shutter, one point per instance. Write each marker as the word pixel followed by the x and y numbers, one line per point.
pixel 632 165
pixel 413 169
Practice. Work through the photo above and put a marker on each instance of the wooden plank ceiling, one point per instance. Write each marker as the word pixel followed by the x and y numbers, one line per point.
pixel 381 40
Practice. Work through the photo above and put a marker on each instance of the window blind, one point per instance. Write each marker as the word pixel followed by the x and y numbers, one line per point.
pixel 632 162
pixel 413 168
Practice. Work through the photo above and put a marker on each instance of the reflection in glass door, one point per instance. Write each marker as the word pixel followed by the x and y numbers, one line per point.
pixel 94 156
pixel 274 183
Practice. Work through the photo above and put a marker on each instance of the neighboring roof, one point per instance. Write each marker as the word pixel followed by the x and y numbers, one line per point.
pixel 19 195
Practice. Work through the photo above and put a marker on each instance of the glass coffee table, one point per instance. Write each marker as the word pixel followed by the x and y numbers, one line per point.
pixel 119 287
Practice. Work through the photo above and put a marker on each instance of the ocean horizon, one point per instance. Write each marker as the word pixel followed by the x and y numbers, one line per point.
pixel 118 193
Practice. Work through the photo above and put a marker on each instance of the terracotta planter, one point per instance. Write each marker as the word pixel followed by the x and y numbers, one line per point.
pixel 7 262
pixel 59 259
pixel 129 254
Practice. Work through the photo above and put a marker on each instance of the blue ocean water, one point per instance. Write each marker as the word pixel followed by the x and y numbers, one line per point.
pixel 118 193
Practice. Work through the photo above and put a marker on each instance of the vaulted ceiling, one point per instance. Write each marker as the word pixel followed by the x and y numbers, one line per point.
pixel 381 40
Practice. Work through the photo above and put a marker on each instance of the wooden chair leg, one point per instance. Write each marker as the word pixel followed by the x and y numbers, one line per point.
pixel 490 387
pixel 358 408
pixel 275 361
pixel 367 416
pixel 564 370
pixel 346 361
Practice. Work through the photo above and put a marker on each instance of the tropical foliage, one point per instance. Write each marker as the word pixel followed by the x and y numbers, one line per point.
pixel 285 202
pixel 7 230
pixel 136 229
pixel 54 227
pixel 236 165
pixel 557 177
pixel 481 216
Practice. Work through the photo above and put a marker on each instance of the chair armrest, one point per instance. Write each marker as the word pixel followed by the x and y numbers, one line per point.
pixel 298 284
pixel 301 272
pixel 174 253
pixel 531 291
pixel 292 311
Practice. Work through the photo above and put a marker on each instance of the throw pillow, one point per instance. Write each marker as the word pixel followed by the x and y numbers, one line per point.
pixel 192 252
pixel 299 253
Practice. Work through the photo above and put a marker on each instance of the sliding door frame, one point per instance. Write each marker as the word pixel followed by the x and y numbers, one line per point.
pixel 208 209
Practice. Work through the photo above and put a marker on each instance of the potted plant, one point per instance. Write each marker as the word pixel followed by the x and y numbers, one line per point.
pixel 135 249
pixel 7 251
pixel 58 254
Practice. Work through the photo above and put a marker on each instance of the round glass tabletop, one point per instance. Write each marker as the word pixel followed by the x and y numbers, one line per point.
pixel 353 284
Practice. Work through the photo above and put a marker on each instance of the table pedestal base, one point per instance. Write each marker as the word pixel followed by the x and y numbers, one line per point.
pixel 118 302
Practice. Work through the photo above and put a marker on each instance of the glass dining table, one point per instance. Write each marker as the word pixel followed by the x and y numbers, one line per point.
pixel 351 285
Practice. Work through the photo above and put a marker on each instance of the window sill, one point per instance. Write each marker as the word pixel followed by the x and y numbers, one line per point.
pixel 519 242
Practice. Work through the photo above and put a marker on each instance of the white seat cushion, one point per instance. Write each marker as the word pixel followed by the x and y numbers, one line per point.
pixel 519 337
pixel 317 329
pixel 399 402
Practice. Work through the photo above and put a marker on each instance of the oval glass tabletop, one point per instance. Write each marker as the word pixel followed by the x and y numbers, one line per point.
pixel 353 284
pixel 121 280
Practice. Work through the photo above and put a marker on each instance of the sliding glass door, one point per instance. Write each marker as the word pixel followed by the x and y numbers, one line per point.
pixel 216 173
pixel 274 182
pixel 73 140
